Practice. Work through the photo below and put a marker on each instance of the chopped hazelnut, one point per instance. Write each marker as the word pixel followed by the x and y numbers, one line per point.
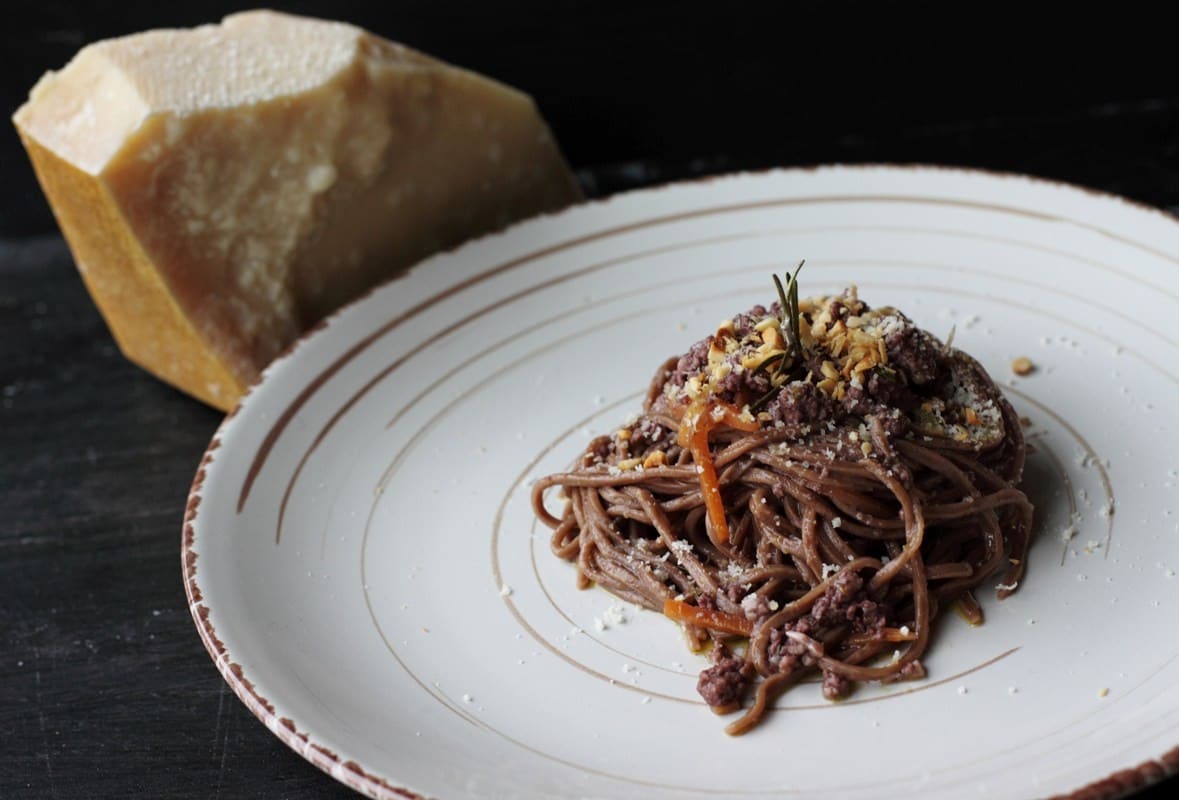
pixel 1022 366
pixel 656 459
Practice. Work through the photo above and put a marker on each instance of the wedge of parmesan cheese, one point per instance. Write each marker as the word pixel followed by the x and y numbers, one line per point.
pixel 224 188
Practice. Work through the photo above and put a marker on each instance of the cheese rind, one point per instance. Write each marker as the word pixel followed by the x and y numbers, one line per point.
pixel 224 188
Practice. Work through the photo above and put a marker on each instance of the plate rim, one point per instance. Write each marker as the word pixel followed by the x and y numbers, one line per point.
pixel 351 773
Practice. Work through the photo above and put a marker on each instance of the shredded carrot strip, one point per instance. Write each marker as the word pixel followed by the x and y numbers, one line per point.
pixel 711 414
pixel 708 618
pixel 718 526
pixel 697 422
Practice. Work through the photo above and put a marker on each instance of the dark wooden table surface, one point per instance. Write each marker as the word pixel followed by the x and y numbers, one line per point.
pixel 105 689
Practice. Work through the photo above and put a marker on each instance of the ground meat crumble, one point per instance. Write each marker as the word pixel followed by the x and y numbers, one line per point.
pixel 723 684
pixel 852 361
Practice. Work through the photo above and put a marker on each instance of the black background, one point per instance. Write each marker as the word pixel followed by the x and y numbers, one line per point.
pixel 105 689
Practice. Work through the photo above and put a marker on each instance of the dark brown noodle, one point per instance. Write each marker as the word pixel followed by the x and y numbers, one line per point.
pixel 895 536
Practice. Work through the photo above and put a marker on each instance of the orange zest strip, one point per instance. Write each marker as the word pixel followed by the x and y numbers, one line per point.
pixel 718 526
pixel 697 422
pixel 708 618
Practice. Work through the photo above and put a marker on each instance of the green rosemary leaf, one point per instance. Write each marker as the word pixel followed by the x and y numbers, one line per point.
pixel 788 298
pixel 760 402
pixel 765 362
pixel 795 324
pixel 787 363
pixel 781 298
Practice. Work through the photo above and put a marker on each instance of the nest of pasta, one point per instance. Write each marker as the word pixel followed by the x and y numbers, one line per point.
pixel 805 490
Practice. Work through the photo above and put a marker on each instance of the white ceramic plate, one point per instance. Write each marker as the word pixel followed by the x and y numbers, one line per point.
pixel 365 570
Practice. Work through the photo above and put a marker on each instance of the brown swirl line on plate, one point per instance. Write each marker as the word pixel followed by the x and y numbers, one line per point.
pixel 1119 779
pixel 389 369
pixel 1091 458
pixel 857 198
pixel 1033 246
pixel 923 687
pixel 467 318
pixel 1058 463
pixel 526 358
pixel 353 774
pixel 346 771
pixel 430 424
pixel 528 627
pixel 1154 333
pixel 388 473
pixel 402 452
pixel 395 464
pixel 540 639
pixel 602 301
pixel 383 481
pixel 284 419
pixel 617 776
pixel 433 690
pixel 962 293
pixel 1172 756
pixel 288 415
pixel 1036 440
pixel 426 427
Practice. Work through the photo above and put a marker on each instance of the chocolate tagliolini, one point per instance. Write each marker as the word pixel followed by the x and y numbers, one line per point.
pixel 805 490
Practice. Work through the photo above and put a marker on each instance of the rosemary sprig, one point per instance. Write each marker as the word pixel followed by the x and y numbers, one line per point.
pixel 790 317
pixel 760 402
pixel 783 299
pixel 791 328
